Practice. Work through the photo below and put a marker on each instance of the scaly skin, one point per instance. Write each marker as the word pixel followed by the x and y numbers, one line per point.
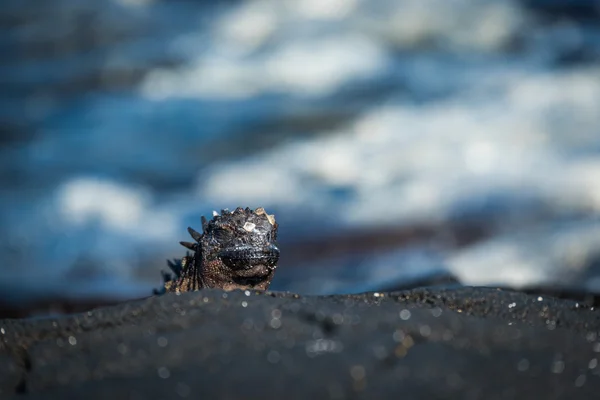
pixel 235 251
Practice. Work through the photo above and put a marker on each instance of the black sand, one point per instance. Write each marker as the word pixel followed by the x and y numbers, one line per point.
pixel 422 344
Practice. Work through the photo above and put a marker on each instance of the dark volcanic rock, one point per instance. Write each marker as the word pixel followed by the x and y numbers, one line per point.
pixel 463 343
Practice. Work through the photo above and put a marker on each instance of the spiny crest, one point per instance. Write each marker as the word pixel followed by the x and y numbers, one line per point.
pixel 237 212
pixel 217 219
pixel 195 234
pixel 270 217
pixel 177 265
pixel 188 245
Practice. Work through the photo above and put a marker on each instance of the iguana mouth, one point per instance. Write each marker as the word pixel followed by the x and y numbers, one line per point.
pixel 250 281
pixel 247 257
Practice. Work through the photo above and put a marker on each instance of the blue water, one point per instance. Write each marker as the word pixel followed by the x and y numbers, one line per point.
pixel 473 122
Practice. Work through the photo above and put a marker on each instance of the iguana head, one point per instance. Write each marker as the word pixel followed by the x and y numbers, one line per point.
pixel 236 250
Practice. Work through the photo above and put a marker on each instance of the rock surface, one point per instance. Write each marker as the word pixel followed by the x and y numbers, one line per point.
pixel 472 343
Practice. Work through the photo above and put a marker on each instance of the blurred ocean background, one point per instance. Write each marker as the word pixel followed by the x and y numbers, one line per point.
pixel 395 140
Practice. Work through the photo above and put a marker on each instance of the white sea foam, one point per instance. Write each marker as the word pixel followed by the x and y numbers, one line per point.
pixel 541 255
pixel 466 125
pixel 400 163
pixel 116 207
pixel 316 9
pixel 302 67
pixel 310 48
pixel 399 160
pixel 453 25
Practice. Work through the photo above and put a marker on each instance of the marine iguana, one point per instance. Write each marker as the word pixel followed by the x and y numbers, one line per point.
pixel 236 250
